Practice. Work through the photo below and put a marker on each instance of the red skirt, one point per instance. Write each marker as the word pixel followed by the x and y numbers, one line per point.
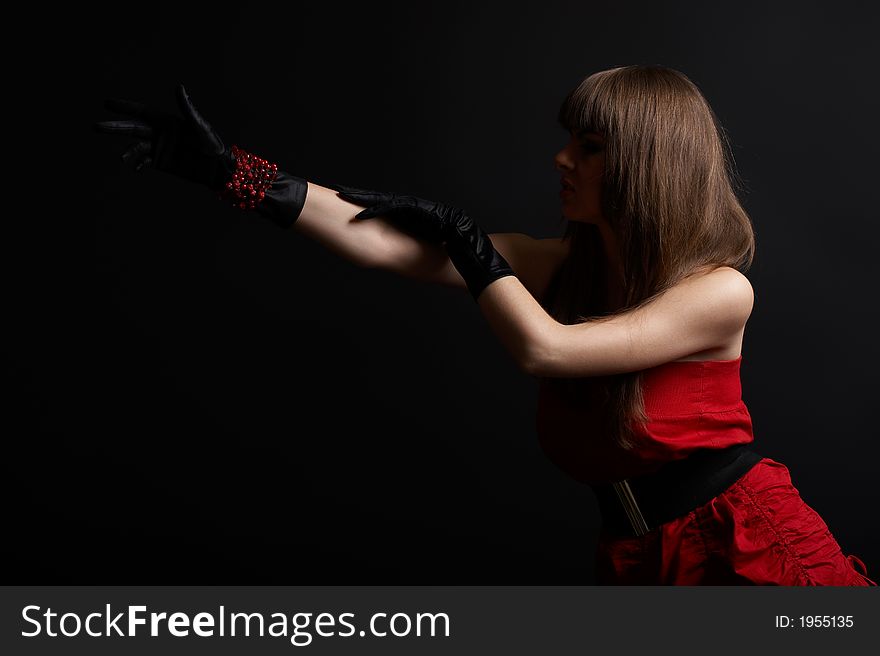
pixel 757 532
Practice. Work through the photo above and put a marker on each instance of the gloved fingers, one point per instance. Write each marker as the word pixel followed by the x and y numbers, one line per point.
pixel 346 189
pixel 360 199
pixel 371 212
pixel 132 108
pixel 189 110
pixel 136 153
pixel 132 128
pixel 146 161
pixel 397 206
pixel 362 196
pixel 412 219
pixel 208 138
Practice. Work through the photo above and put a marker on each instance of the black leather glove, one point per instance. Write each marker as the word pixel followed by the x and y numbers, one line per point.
pixel 190 148
pixel 469 248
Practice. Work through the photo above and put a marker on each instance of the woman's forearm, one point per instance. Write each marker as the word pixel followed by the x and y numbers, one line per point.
pixel 328 219
pixel 520 323
pixel 372 243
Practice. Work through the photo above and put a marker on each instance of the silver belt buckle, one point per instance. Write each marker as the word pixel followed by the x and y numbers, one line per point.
pixel 628 501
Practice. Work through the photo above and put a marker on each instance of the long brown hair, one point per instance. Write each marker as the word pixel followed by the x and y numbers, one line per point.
pixel 668 195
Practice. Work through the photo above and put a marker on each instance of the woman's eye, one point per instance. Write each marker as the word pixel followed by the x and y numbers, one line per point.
pixel 590 147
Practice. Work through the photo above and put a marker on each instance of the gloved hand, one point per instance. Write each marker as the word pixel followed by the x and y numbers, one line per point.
pixel 190 148
pixel 469 248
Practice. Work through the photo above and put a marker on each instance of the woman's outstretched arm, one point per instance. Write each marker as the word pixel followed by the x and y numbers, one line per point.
pixel 699 313
pixel 188 146
pixel 379 244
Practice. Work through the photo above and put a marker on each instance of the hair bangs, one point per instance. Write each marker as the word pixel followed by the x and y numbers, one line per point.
pixel 580 112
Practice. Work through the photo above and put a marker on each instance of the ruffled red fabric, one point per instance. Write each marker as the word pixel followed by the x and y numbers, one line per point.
pixel 758 532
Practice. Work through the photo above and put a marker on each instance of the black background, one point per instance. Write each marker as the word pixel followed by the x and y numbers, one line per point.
pixel 195 396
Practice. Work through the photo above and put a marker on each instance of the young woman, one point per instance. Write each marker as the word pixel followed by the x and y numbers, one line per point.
pixel 633 320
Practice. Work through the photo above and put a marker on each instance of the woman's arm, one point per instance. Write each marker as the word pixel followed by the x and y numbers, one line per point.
pixel 697 314
pixel 379 244
pixel 189 147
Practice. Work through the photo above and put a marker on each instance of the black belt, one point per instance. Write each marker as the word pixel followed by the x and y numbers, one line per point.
pixel 635 506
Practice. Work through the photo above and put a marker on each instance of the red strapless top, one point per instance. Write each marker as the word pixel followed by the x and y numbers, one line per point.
pixel 691 404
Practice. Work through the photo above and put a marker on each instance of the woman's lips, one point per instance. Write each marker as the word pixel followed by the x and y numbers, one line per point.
pixel 567 188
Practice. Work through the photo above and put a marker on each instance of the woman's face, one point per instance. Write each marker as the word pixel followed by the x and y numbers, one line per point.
pixel 581 164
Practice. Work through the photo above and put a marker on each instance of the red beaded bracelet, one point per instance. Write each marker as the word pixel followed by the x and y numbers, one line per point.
pixel 251 179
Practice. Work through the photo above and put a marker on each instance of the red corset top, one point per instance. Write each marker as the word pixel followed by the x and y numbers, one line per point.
pixel 690 404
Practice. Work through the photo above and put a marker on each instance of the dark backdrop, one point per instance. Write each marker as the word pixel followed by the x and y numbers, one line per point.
pixel 195 396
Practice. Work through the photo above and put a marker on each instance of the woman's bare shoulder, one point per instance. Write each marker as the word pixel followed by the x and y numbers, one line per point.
pixel 729 280
pixel 719 282
pixel 734 289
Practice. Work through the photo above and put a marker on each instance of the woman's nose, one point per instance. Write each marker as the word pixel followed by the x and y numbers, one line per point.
pixel 561 161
